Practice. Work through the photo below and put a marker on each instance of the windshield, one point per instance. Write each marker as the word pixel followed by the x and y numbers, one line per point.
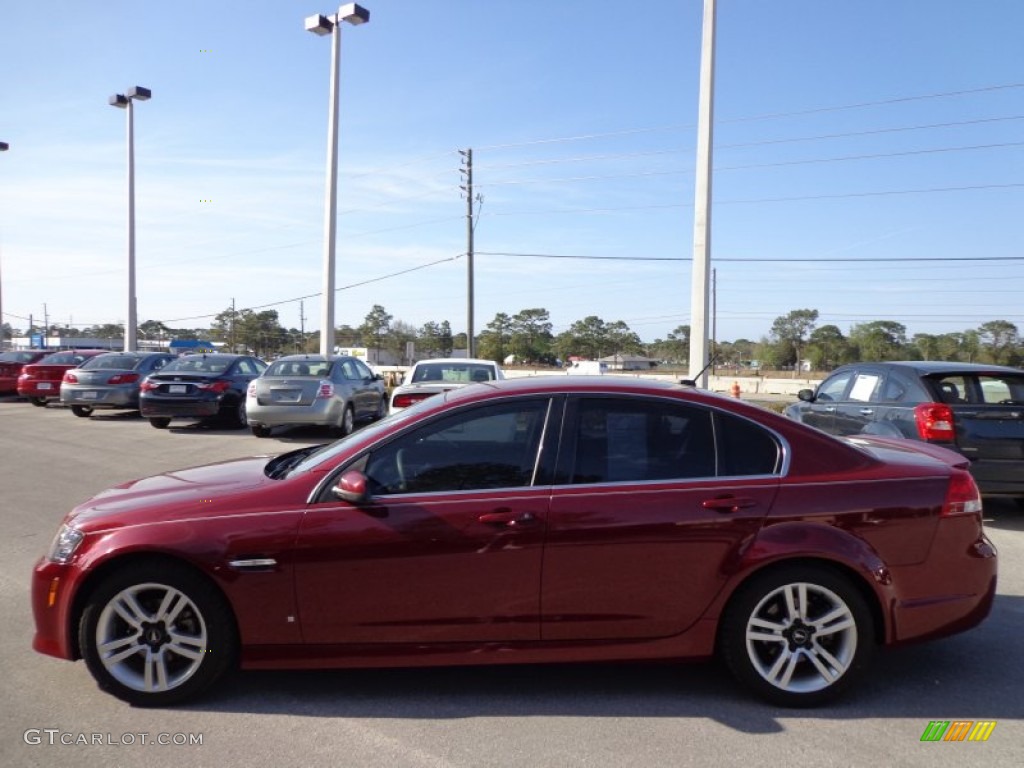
pixel 330 450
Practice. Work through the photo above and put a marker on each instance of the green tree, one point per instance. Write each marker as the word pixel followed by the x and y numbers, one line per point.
pixel 531 334
pixel 790 331
pixel 825 347
pixel 999 339
pixel 375 329
pixel 495 341
pixel 445 342
pixel 879 340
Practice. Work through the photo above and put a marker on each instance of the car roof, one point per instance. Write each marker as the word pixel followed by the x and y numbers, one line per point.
pixel 458 360
pixel 313 358
pixel 928 367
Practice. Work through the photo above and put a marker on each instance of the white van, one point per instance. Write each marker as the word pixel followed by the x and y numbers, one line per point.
pixel 588 368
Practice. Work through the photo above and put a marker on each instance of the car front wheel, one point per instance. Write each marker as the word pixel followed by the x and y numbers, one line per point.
pixel 797 636
pixel 156 636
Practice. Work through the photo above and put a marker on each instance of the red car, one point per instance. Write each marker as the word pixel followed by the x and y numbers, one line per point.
pixel 40 382
pixel 545 519
pixel 11 364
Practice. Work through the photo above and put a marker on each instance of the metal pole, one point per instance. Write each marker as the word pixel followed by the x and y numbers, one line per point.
pixel 131 324
pixel 4 146
pixel 699 287
pixel 331 203
pixel 470 341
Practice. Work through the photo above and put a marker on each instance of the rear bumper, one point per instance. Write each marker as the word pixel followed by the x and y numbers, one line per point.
pixel 99 397
pixel 151 407
pixel 324 412
pixel 48 389
pixel 952 591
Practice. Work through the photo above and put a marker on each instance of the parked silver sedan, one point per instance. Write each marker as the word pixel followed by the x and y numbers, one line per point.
pixel 313 390
pixel 110 380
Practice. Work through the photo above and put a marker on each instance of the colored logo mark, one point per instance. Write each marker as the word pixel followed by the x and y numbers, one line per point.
pixel 958 730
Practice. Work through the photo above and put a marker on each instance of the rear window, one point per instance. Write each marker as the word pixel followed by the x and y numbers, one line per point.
pixel 981 389
pixel 201 364
pixel 111 362
pixel 461 373
pixel 64 358
pixel 17 357
pixel 311 368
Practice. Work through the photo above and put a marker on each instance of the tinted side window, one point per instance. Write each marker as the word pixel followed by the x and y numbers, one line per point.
pixel 833 388
pixel 493 446
pixel 618 440
pixel 744 448
pixel 362 371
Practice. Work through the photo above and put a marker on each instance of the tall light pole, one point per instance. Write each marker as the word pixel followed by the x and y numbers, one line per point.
pixel 331 25
pixel 4 146
pixel 699 278
pixel 124 101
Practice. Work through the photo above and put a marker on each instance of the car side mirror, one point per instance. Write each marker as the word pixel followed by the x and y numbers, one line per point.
pixel 352 487
pixel 378 377
pixel 807 395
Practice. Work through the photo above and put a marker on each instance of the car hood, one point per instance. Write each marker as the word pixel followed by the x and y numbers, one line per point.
pixel 196 492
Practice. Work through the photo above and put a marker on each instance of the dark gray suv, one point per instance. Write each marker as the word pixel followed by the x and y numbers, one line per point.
pixel 977 410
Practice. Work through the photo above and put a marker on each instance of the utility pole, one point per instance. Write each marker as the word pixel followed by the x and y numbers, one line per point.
pixel 714 318
pixel 302 324
pixel 46 325
pixel 699 287
pixel 467 170
pixel 232 324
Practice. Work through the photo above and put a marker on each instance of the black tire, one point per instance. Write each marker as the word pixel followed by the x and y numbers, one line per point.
pixel 233 415
pixel 781 664
pixel 82 411
pixel 260 431
pixel 382 409
pixel 348 422
pixel 155 670
pixel 159 422
pixel 38 402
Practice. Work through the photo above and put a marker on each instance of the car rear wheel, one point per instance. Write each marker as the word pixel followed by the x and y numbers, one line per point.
pixel 84 411
pixel 348 421
pixel 157 635
pixel 382 409
pixel 39 402
pixel 798 636
pixel 260 431
pixel 160 422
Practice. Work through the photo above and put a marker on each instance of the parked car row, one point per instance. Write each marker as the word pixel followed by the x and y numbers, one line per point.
pixel 230 389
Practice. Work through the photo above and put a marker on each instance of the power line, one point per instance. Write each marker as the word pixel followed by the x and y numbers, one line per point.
pixel 767 260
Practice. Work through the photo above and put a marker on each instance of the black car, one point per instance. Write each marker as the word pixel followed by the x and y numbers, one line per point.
pixel 977 410
pixel 209 387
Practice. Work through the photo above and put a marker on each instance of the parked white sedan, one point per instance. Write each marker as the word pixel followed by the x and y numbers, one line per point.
pixel 429 377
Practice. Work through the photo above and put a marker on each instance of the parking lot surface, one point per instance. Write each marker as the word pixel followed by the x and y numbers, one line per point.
pixel 601 715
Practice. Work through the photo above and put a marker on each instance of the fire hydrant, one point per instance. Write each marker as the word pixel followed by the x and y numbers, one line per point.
pixel 734 390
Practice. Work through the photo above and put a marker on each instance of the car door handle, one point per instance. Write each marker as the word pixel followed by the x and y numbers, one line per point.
pixel 729 503
pixel 508 519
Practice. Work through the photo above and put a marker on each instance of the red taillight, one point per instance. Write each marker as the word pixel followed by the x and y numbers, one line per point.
pixel 70 378
pixel 215 386
pixel 123 378
pixel 148 386
pixel 326 389
pixel 935 422
pixel 404 401
pixel 962 496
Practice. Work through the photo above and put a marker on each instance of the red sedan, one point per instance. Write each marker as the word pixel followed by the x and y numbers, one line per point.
pixel 40 382
pixel 546 519
pixel 11 364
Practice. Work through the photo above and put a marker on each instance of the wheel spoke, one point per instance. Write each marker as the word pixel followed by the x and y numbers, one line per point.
pixel 836 621
pixel 156 667
pixel 831 668
pixel 186 646
pixel 172 604
pixel 771 626
pixel 120 649
pixel 765 637
pixel 785 665
pixel 128 608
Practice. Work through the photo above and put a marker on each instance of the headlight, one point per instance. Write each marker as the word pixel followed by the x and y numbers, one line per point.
pixel 64 544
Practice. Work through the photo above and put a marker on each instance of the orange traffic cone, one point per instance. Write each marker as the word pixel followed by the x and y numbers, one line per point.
pixel 735 389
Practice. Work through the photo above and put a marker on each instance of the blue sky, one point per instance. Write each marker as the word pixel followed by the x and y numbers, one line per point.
pixel 854 138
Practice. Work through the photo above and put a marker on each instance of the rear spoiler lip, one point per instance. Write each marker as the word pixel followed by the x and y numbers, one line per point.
pixel 945 455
